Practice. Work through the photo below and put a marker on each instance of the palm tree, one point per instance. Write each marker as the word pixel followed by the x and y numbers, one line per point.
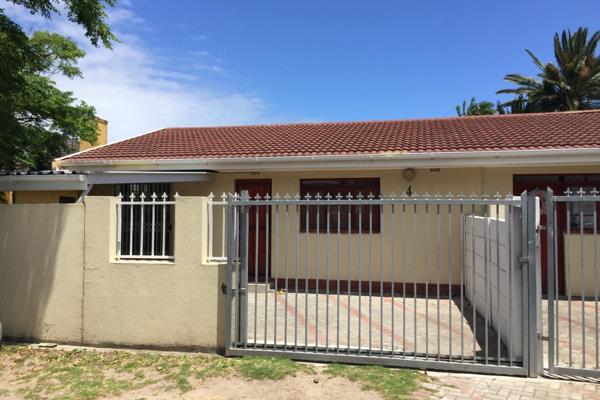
pixel 572 84
pixel 518 105
pixel 475 108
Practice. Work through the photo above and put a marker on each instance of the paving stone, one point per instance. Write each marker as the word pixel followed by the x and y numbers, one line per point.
pixel 505 388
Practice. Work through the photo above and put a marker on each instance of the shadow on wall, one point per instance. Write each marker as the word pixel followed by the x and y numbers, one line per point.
pixel 41 264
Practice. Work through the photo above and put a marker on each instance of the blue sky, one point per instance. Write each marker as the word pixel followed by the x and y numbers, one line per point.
pixel 216 62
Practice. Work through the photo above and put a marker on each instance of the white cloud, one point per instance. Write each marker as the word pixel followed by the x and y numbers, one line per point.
pixel 132 90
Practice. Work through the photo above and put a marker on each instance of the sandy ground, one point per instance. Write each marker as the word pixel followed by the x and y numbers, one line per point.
pixel 301 386
pixel 314 385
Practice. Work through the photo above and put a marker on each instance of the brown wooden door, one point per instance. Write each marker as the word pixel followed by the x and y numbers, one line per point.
pixel 539 188
pixel 559 184
pixel 261 187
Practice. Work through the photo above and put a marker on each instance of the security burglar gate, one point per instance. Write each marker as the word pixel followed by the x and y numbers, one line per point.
pixel 430 282
pixel 573 282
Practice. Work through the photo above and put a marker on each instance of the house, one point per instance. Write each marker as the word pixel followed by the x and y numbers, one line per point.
pixel 139 256
pixel 470 155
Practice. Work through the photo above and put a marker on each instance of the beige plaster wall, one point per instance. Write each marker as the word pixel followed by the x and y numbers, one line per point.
pixel 421 266
pixel 158 304
pixel 60 280
pixel 41 274
pixel 42 196
pixel 582 272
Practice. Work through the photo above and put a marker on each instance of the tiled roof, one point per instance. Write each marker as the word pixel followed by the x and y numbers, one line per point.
pixel 567 130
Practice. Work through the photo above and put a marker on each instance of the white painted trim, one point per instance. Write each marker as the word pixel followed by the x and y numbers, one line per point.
pixel 43 182
pixel 83 182
pixel 550 157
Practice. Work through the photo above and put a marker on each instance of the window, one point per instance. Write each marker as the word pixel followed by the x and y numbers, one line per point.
pixel 351 218
pixel 150 242
pixel 582 213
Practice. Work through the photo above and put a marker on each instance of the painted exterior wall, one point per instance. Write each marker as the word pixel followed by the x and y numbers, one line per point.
pixel 582 272
pixel 42 196
pixel 421 267
pixel 160 304
pixel 7 197
pixel 102 138
pixel 71 288
pixel 506 314
pixel 41 248
pixel 61 282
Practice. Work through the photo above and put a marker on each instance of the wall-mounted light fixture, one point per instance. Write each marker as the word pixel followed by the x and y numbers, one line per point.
pixel 409 174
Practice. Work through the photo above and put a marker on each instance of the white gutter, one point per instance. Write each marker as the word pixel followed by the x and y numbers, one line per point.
pixel 373 161
pixel 82 182
pixel 43 182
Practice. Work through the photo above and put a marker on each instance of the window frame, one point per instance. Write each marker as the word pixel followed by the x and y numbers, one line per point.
pixel 355 186
pixel 148 189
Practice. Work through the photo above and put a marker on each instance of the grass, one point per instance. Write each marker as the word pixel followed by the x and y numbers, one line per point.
pixel 89 374
pixel 272 368
pixel 392 384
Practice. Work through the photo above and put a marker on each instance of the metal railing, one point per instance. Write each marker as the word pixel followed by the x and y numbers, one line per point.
pixel 573 278
pixel 217 228
pixel 382 280
pixel 145 227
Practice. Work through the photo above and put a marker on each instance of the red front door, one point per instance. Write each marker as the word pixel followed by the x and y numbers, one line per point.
pixel 257 245
pixel 539 188
pixel 559 184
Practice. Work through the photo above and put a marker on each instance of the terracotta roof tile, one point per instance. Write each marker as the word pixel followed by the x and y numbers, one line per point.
pixel 486 133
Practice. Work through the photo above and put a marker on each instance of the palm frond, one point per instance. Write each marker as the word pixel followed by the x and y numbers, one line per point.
pixel 572 83
pixel 536 60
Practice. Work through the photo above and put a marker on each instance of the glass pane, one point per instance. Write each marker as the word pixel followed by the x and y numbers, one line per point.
pixel 582 213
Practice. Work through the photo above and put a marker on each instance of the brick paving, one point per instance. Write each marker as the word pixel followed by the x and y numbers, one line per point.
pixel 408 325
pixel 454 386
pixel 430 327
pixel 312 321
pixel 581 319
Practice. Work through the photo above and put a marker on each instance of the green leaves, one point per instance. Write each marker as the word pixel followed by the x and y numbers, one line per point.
pixel 54 54
pixel 573 83
pixel 38 121
pixel 90 14
pixel 475 108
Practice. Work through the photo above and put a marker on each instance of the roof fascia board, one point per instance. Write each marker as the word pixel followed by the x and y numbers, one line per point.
pixel 115 177
pixel 85 181
pixel 379 161
pixel 43 182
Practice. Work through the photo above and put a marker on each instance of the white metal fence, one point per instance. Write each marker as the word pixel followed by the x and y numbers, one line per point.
pixel 145 227
pixel 573 279
pixel 375 280
pixel 217 229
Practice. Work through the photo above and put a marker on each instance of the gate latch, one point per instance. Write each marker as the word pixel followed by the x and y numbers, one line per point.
pixel 541 228
pixel 224 289
pixel 524 259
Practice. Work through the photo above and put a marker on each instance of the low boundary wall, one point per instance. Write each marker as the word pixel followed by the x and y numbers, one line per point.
pixel 60 281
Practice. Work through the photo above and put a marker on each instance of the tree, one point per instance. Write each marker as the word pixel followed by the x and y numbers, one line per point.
pixel 518 105
pixel 38 121
pixel 475 108
pixel 572 84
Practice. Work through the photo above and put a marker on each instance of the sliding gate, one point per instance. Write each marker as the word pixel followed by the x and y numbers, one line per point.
pixel 430 282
